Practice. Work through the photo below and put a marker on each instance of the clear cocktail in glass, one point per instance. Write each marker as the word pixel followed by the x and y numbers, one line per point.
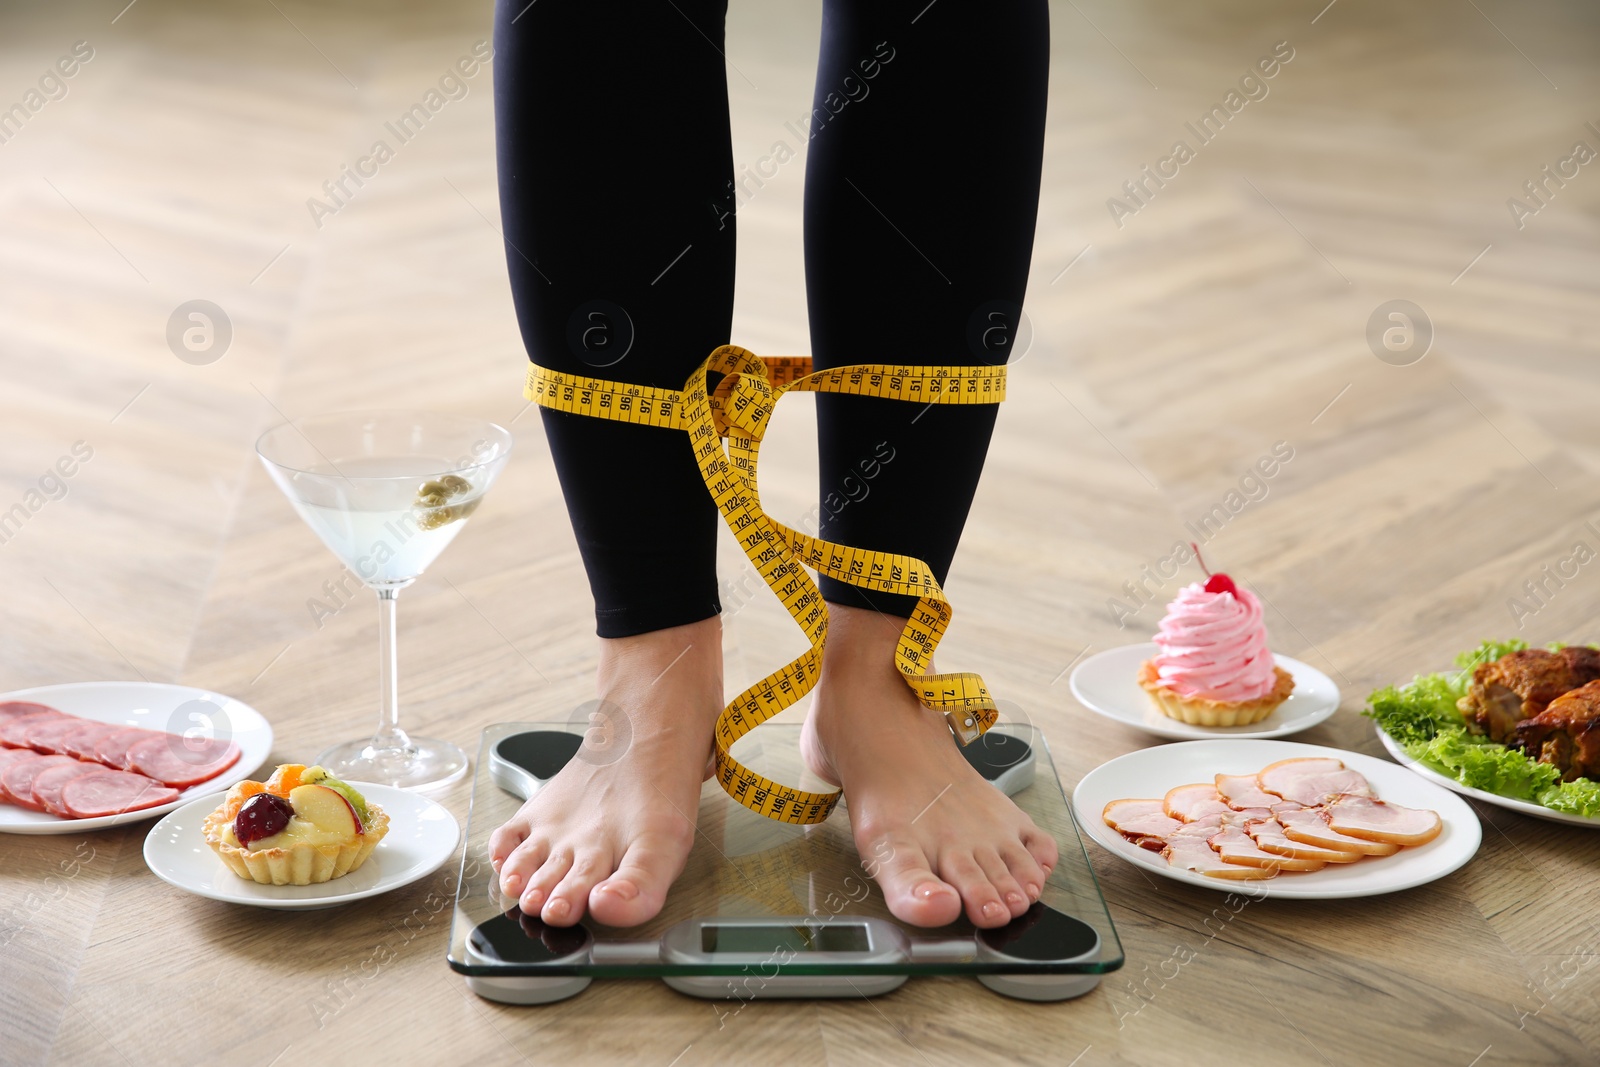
pixel 386 491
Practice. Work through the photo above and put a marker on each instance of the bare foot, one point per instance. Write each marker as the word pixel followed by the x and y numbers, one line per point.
pixel 609 834
pixel 935 834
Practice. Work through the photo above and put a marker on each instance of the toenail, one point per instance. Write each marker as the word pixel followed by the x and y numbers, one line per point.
pixel 530 903
pixel 513 882
pixel 928 890
pixel 622 889
pixel 496 862
pixel 1033 891
pixel 992 910
pixel 1013 898
pixel 558 909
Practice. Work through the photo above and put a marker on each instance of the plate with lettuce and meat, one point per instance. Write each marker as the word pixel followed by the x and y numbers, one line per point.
pixel 1514 726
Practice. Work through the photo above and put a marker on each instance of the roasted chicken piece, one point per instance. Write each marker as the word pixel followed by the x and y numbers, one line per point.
pixel 1566 734
pixel 1520 685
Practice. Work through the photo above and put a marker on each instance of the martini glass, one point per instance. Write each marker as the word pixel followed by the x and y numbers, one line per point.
pixel 386 491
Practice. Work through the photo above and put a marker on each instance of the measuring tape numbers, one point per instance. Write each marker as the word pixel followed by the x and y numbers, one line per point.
pixel 738 410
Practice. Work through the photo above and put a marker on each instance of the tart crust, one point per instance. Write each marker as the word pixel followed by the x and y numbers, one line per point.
pixel 1202 711
pixel 299 864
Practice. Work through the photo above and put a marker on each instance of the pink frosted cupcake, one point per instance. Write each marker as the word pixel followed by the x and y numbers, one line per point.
pixel 1214 667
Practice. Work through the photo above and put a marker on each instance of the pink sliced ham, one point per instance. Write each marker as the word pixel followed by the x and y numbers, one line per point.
pixel 1236 846
pixel 1269 837
pixel 181 761
pixel 1192 803
pixel 1378 820
pixel 1310 827
pixel 17 709
pixel 103 792
pixel 1189 848
pixel 10 755
pixel 1312 781
pixel 1244 818
pixel 48 733
pixel 1140 821
pixel 47 784
pixel 1242 791
pixel 83 741
pixel 14 732
pixel 17 780
pixel 112 750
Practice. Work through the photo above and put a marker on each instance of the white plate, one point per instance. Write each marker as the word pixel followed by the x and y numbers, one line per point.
pixel 178 709
pixel 1526 807
pixel 1151 772
pixel 1107 684
pixel 422 836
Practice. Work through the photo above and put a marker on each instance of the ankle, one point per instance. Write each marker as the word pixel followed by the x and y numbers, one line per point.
pixel 688 655
pixel 861 644
pixel 858 670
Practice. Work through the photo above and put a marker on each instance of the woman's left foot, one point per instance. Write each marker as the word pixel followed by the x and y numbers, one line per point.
pixel 938 837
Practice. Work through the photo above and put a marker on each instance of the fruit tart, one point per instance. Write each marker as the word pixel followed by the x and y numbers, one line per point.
pixel 301 826
pixel 1213 667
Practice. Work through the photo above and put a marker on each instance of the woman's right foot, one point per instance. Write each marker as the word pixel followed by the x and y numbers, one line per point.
pixel 937 837
pixel 611 831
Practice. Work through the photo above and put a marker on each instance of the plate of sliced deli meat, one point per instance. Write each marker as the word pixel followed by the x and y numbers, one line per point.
pixel 1280 818
pixel 86 755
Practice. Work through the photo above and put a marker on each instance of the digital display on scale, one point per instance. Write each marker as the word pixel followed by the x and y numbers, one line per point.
pixel 752 937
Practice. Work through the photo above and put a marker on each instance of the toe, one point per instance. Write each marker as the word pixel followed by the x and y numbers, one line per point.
pixel 505 839
pixel 638 889
pixel 521 864
pixel 1012 895
pixel 570 898
pixel 1041 846
pixel 912 891
pixel 983 904
pixel 1024 868
pixel 543 880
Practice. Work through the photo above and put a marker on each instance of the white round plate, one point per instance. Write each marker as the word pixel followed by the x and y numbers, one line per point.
pixel 422 836
pixel 1150 772
pixel 1526 807
pixel 153 706
pixel 1107 684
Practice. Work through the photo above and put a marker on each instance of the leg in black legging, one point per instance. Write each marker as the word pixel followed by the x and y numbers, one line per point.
pixel 921 197
pixel 615 159
pixel 922 188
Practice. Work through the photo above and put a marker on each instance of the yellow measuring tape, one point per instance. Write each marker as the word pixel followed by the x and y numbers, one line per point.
pixel 738 410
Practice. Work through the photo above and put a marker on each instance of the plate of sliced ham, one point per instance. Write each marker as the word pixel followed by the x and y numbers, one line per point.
pixel 1276 818
pixel 87 755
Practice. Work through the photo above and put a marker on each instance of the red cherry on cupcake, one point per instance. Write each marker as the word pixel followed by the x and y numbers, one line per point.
pixel 1215 583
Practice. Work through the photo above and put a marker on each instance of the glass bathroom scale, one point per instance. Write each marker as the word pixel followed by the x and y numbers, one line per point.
pixel 771 909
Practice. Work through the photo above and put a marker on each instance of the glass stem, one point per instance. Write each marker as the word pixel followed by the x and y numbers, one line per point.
pixel 389 738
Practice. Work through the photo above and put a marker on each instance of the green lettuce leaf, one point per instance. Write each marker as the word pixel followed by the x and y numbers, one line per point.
pixel 1488 652
pixel 1490 767
pixel 1581 797
pixel 1420 710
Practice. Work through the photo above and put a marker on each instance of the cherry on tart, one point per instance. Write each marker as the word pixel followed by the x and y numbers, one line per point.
pixel 1215 583
pixel 300 827
pixel 263 815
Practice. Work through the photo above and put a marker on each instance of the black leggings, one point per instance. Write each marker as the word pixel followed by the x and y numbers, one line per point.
pixel 618 193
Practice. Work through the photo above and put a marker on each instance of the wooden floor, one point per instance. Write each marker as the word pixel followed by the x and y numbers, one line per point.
pixel 1226 314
